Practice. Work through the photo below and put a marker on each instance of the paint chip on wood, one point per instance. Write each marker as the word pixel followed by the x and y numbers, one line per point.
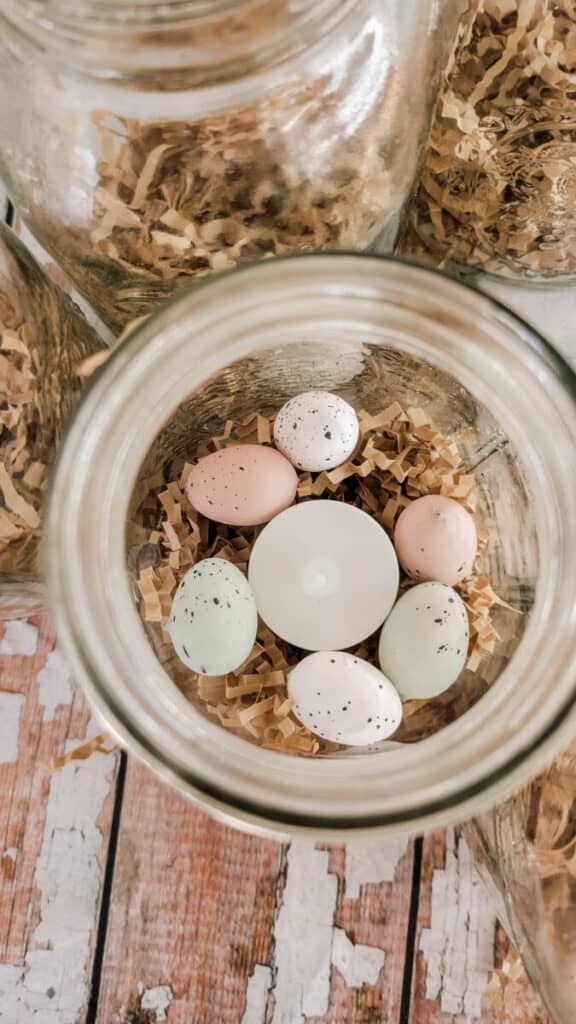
pixel 459 945
pixel 259 985
pixel 54 684
pixel 372 862
pixel 11 705
pixel 158 1000
pixel 358 964
pixel 19 638
pixel 50 986
pixel 303 936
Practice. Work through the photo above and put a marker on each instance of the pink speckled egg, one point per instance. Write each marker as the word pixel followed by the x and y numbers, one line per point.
pixel 435 539
pixel 244 485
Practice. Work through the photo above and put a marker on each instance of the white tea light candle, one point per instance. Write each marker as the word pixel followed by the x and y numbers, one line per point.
pixel 324 575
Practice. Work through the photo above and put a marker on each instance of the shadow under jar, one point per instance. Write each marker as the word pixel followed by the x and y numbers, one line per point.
pixel 150 145
pixel 375 331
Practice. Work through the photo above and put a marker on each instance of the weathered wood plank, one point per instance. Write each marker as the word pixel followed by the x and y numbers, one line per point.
pixel 191 912
pixel 370 931
pixel 219 927
pixel 459 945
pixel 53 833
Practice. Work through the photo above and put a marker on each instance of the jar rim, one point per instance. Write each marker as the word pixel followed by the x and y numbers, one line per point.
pixel 157 723
pixel 177 45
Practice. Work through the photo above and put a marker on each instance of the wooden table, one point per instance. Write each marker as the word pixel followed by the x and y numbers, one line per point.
pixel 121 903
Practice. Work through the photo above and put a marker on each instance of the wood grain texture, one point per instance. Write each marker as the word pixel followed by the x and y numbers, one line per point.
pixel 192 910
pixel 459 944
pixel 53 829
pixel 226 928
pixel 372 915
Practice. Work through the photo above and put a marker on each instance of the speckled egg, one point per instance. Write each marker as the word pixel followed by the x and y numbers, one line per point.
pixel 316 430
pixel 243 485
pixel 435 539
pixel 344 699
pixel 213 618
pixel 424 641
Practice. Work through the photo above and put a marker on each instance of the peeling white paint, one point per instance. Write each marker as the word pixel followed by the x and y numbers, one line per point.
pixel 372 862
pixel 257 990
pixel 459 945
pixel 306 942
pixel 51 986
pixel 157 999
pixel 11 705
pixel 54 685
pixel 19 638
pixel 358 964
pixel 303 936
pixel 11 853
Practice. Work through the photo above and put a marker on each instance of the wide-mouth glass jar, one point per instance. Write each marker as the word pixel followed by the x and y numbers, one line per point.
pixel 375 330
pixel 147 145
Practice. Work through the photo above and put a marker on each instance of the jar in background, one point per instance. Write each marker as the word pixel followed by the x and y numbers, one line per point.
pixel 526 848
pixel 43 339
pixel 375 330
pixel 498 187
pixel 150 145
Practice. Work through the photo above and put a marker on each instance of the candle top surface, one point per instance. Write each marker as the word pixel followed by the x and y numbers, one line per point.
pixel 324 575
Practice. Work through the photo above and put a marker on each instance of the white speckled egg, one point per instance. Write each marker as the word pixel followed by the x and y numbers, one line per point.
pixel 213 618
pixel 435 539
pixel 424 641
pixel 316 430
pixel 344 699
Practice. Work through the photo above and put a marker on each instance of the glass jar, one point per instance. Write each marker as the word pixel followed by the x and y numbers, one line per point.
pixel 375 330
pixel 526 848
pixel 498 186
pixel 150 145
pixel 43 339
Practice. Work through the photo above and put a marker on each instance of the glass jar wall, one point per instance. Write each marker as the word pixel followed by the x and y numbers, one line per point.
pixel 498 187
pixel 375 331
pixel 44 338
pixel 148 146
pixel 527 848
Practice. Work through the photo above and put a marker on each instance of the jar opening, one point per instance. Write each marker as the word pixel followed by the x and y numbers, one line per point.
pixel 354 308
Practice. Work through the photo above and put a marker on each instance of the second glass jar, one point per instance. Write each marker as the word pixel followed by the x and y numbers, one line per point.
pixel 148 149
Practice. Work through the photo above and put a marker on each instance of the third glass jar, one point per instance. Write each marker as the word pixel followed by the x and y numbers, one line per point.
pixel 498 187
pixel 150 145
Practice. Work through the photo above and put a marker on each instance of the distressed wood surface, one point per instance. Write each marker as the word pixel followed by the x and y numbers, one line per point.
pixel 460 946
pixel 218 925
pixel 53 833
